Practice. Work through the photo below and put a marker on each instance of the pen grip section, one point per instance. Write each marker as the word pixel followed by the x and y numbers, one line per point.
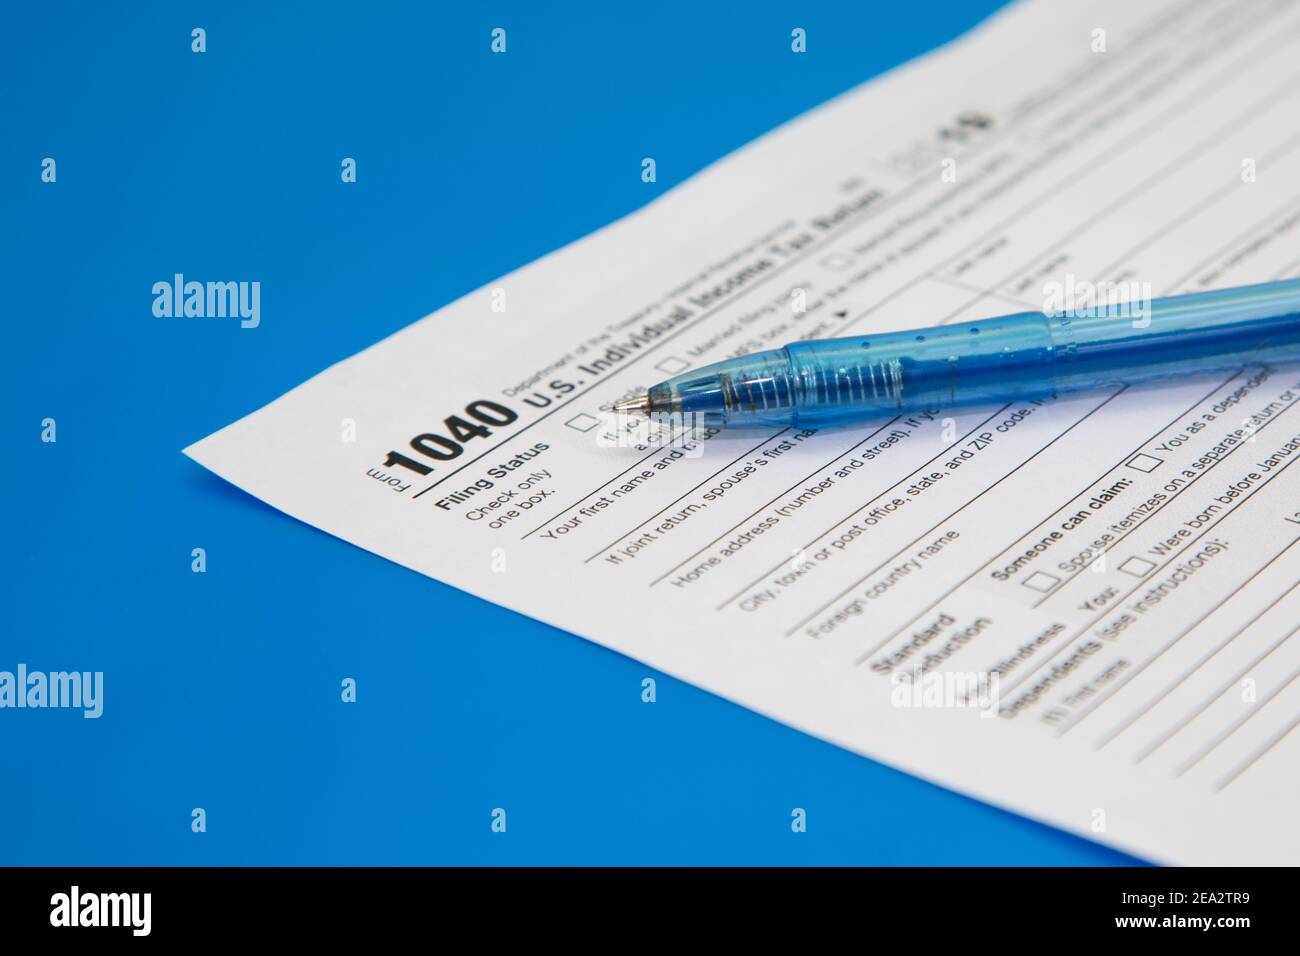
pixel 755 390
pixel 893 373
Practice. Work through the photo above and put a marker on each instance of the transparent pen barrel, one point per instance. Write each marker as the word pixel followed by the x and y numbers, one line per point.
pixel 1008 358
pixel 1032 355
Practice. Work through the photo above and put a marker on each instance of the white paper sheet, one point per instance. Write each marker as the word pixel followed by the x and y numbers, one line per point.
pixel 1124 561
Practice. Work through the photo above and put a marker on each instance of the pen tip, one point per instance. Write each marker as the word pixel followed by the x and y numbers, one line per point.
pixel 636 405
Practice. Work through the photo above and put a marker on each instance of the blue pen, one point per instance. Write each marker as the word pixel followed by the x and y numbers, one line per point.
pixel 1008 358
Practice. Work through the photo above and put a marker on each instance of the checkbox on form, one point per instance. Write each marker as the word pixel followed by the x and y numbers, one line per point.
pixel 1041 581
pixel 1138 567
pixel 1145 463
pixel 673 365
pixel 583 422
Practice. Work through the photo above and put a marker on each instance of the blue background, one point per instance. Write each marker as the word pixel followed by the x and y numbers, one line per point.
pixel 222 689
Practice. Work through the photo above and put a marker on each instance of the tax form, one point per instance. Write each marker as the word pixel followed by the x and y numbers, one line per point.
pixel 1083 609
